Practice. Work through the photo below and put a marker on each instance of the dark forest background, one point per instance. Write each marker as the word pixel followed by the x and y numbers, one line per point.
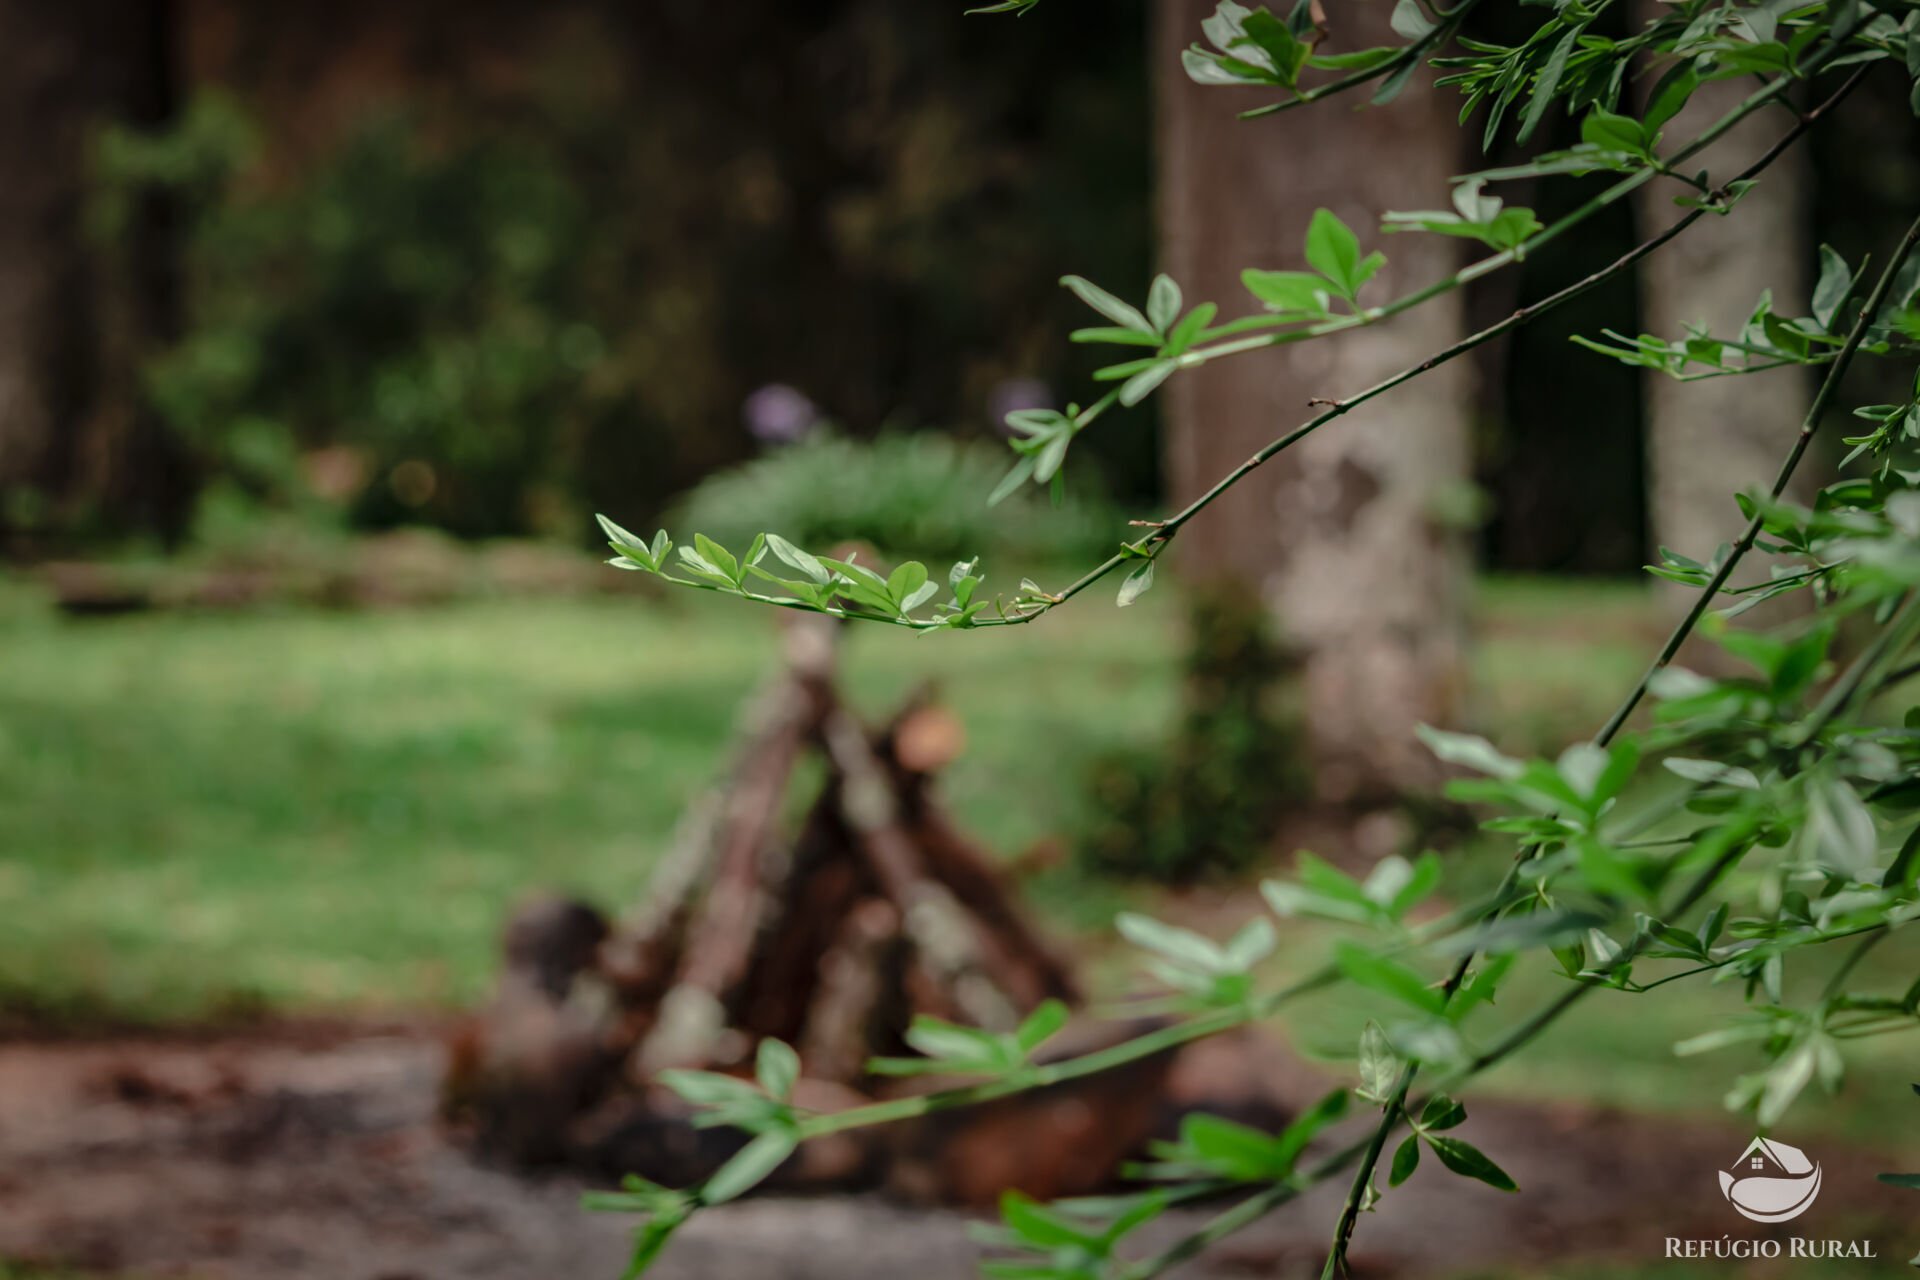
pixel 494 266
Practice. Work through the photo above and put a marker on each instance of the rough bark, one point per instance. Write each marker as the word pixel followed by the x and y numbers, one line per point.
pixel 1338 533
pixel 42 324
pixel 1708 440
pixel 75 444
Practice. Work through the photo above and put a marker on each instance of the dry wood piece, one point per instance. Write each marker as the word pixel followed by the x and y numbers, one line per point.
pixel 830 934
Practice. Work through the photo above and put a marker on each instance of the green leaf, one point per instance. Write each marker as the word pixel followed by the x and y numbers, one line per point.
pixel 1909 1180
pixel 794 557
pixel 1188 330
pixel 1670 95
pixel 717 556
pixel 1784 1081
pixel 1468 1161
pixel 1406 1158
pixel 940 1039
pixel 1017 476
pixel 1410 21
pixel 1036 1224
pixel 1840 829
pixel 1126 337
pixel 1163 302
pixel 1040 1025
pixel 1287 291
pixel 1610 132
pixel 1229 1149
pixel 1180 945
pixel 1713 772
pixel 1142 384
pixel 1379 1065
pixel 1108 305
pixel 708 1088
pixel 1252 944
pixel 1333 250
pixel 1136 584
pixel 1831 291
pixel 1441 1112
pixel 650 1240
pixel 1389 977
pixel 1286 53
pixel 1548 81
pixel 905 581
pixel 1390 87
pixel 628 544
pixel 750 1166
pixel 1469 750
pixel 1358 60
pixel 777 1067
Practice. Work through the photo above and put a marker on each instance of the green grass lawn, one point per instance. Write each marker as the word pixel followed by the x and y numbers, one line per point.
pixel 307 811
pixel 322 809
pixel 311 809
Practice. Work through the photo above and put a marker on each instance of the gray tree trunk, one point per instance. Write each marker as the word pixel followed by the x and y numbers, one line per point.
pixel 1340 533
pixel 1708 440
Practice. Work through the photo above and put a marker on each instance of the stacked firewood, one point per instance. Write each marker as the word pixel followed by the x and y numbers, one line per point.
pixel 830 932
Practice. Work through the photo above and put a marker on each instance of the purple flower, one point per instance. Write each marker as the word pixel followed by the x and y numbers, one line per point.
pixel 777 414
pixel 1014 394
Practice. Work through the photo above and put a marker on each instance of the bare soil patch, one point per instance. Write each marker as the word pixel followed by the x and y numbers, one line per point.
pixel 312 1153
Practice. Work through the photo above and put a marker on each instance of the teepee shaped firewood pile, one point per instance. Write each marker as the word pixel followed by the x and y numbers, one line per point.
pixel 830 932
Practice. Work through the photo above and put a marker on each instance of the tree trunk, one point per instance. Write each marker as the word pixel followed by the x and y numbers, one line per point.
pixel 1708 440
pixel 42 320
pixel 75 444
pixel 1340 533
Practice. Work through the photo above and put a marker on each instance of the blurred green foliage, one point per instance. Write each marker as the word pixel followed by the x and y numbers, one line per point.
pixel 905 493
pixel 1208 800
pixel 414 305
pixel 497 305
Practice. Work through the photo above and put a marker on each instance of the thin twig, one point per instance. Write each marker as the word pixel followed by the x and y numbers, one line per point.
pixel 1829 387
pixel 1520 317
pixel 1363 1177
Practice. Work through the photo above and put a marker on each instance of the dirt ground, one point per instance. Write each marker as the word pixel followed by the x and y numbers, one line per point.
pixel 311 1153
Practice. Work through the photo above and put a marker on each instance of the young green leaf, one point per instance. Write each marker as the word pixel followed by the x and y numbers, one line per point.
pixel 749 1167
pixel 1406 1158
pixel 1388 977
pixel 1107 305
pixel 1334 251
pixel 1180 945
pixel 794 557
pixel 1410 21
pixel 1040 1025
pixel 1469 1162
pixel 1231 1150
pixel 1036 1224
pixel 777 1067
pixel 1163 302
pixel 1380 1066
pixel 1287 291
pixel 1136 584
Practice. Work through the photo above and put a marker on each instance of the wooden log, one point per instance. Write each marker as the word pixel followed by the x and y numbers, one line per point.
pixel 953 982
pixel 826 881
pixel 723 927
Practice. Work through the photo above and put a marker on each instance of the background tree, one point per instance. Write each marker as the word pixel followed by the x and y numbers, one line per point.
pixel 73 433
pixel 1711 438
pixel 1344 536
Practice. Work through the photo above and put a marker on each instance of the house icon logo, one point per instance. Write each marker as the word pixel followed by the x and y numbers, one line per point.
pixel 1771 1182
